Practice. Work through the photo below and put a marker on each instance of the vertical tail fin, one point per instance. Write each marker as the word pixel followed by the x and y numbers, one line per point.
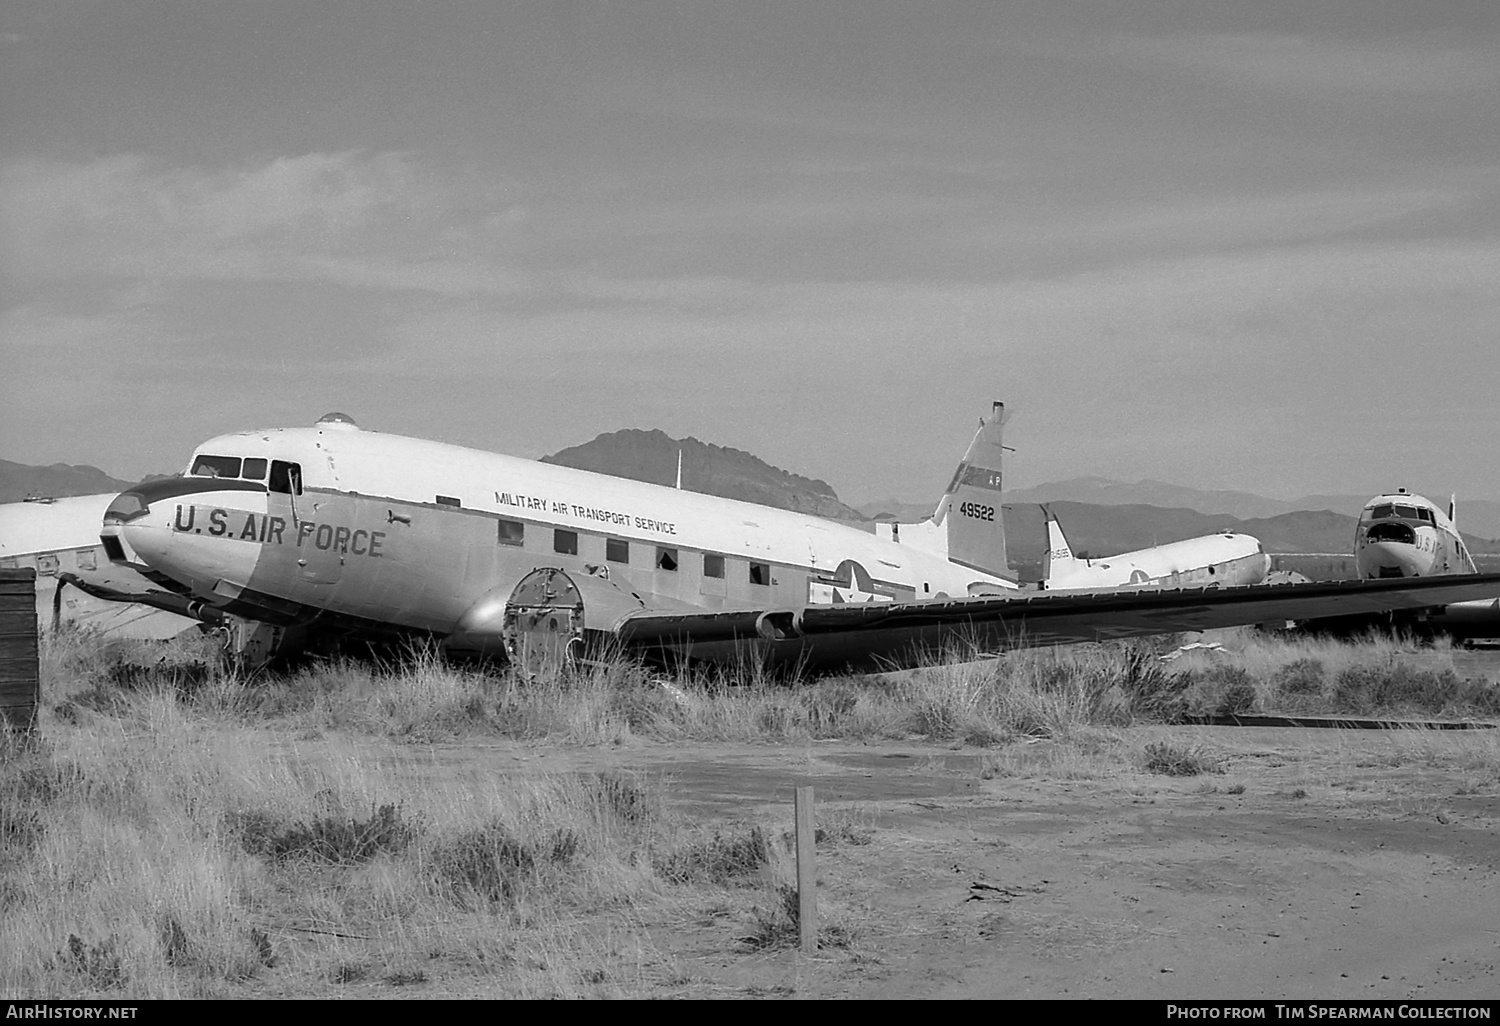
pixel 971 506
pixel 1058 560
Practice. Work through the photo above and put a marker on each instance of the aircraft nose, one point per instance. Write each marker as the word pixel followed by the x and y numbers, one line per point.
pixel 1390 559
pixel 1400 534
pixel 127 506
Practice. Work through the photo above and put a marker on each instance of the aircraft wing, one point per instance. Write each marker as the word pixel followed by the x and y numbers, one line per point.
pixel 887 636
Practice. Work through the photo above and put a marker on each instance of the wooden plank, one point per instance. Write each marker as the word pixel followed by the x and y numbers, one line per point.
pixel 18 658
pixel 18 621
pixel 807 872
pixel 20 681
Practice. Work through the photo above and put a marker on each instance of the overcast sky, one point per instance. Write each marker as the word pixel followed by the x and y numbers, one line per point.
pixel 1249 245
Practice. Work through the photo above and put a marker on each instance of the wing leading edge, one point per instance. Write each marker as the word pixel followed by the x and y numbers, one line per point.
pixel 888 636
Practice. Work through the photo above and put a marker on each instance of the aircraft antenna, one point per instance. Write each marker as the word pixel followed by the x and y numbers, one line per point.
pixel 679 469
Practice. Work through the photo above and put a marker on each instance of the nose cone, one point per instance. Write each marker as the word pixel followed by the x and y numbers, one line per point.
pixel 1393 548
pixel 1378 558
pixel 191 535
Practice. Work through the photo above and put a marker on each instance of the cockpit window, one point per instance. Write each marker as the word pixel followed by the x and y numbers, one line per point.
pixel 1382 513
pixel 216 466
pixel 1425 514
pixel 1409 512
pixel 286 477
pixel 255 469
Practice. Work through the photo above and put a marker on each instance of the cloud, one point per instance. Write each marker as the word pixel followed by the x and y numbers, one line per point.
pixel 1284 62
pixel 365 220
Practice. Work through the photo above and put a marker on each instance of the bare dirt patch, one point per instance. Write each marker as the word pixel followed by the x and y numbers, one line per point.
pixel 1318 864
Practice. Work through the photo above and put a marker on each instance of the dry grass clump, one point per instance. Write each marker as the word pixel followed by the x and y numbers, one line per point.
pixel 1033 693
pixel 160 847
pixel 1398 688
pixel 1181 760
pixel 1381 674
pixel 339 838
pixel 718 859
pixel 778 924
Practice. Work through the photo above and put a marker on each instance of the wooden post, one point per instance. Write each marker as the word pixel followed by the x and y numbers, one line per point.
pixel 807 872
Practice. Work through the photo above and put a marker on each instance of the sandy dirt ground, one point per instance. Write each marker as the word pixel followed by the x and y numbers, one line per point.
pixel 1318 864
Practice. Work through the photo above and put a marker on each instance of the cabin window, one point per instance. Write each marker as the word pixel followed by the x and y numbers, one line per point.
pixel 713 566
pixel 10 563
pixel 255 469
pixel 87 559
pixel 46 564
pixel 448 500
pixel 511 532
pixel 565 542
pixel 617 550
pixel 216 466
pixel 666 559
pixel 286 478
pixel 760 573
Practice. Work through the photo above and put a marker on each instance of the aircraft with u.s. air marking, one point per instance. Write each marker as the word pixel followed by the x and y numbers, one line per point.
pixel 313 535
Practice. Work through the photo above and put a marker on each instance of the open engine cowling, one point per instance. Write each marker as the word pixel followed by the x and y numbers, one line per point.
pixel 549 618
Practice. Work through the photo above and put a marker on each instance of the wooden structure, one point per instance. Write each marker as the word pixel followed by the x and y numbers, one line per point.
pixel 807 871
pixel 20 678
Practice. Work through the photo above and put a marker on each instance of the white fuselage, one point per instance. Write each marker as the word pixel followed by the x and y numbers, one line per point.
pixel 1405 535
pixel 414 533
pixel 1225 559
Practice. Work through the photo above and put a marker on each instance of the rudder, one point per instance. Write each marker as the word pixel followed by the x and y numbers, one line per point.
pixel 970 507
pixel 1058 559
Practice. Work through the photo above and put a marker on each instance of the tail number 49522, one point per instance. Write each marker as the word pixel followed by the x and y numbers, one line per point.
pixel 970 509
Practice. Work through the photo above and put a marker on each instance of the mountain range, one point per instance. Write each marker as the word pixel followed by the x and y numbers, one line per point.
pixel 19 481
pixel 652 456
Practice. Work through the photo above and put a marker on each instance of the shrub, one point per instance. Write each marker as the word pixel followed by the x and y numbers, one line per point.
pixel 780 925
pixel 718 859
pixel 1180 760
pixel 337 839
pixel 1299 677
pixel 101 965
pixel 623 798
pixel 1219 691
pixel 1396 686
pixel 489 865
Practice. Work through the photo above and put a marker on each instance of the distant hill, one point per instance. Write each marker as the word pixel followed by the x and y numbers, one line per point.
pixel 651 456
pixel 19 481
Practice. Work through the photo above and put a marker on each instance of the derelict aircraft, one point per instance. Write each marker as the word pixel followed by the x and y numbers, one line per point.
pixel 75 580
pixel 334 532
pixel 1226 559
pixel 1403 535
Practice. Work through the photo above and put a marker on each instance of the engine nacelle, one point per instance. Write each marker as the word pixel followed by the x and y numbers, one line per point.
pixel 1477 619
pixel 550 618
